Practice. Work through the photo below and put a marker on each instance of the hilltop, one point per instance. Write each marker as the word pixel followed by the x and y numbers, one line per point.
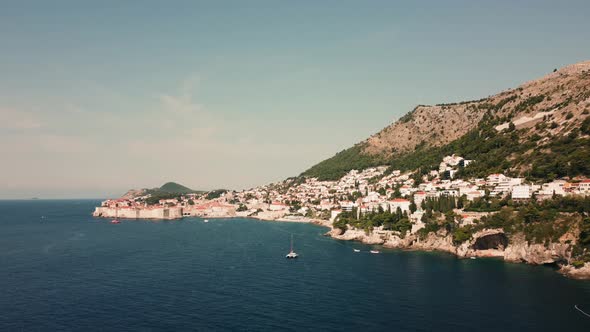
pixel 167 189
pixel 173 187
pixel 527 130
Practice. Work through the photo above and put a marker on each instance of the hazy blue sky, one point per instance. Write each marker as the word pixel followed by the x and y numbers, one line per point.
pixel 100 96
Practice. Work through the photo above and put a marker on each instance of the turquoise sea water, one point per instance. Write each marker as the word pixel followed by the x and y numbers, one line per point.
pixel 61 269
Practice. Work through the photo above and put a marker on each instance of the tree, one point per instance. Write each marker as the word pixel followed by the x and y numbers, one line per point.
pixel 340 223
pixel 529 214
pixel 585 232
pixel 461 202
pixel 450 217
pixel 398 212
pixel 413 207
pixel 461 234
pixel 403 226
pixel 295 206
pixel 417 177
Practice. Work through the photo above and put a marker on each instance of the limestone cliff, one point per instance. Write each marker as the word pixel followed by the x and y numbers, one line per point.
pixel 485 243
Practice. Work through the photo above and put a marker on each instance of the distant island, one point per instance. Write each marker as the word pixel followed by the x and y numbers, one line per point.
pixel 505 176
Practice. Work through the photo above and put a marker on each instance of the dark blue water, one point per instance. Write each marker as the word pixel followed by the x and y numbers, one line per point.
pixel 69 271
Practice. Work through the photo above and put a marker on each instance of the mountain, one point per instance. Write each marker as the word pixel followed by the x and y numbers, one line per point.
pixel 540 129
pixel 173 187
pixel 167 189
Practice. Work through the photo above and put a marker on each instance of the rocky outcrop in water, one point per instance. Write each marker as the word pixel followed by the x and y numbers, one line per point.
pixel 576 273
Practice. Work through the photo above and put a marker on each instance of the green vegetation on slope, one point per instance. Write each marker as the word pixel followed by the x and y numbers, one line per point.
pixel 344 161
pixel 536 152
pixel 168 191
pixel 494 152
pixel 489 148
pixel 215 193
pixel 399 221
pixel 157 196
pixel 540 222
pixel 173 187
pixel 505 152
pixel 396 221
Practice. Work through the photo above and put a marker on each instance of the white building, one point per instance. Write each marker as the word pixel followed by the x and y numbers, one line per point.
pixel 419 197
pixel 401 203
pixel 584 187
pixel 371 197
pixel 494 179
pixel 277 206
pixel 405 190
pixel 472 195
pixel 521 192
pixel 347 206
pixel 505 186
pixel 555 187
pixel 334 214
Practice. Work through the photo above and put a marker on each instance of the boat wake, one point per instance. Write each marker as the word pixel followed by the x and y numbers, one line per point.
pixel 580 310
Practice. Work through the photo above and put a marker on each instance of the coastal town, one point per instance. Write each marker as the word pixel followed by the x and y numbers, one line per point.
pixel 370 190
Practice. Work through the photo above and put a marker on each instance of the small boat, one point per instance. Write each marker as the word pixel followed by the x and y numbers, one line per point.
pixel 116 220
pixel 356 250
pixel 472 257
pixel 375 252
pixel 291 253
pixel 206 220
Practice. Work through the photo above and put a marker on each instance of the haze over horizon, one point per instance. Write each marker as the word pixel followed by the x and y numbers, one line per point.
pixel 99 98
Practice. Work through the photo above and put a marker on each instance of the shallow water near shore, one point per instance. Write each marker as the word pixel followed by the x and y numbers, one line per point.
pixel 62 269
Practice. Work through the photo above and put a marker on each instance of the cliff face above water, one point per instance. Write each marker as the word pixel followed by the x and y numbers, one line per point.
pixel 486 243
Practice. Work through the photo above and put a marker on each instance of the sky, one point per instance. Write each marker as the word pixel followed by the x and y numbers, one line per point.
pixel 97 97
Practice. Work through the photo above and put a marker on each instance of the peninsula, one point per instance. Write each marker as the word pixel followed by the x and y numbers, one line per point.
pixel 505 176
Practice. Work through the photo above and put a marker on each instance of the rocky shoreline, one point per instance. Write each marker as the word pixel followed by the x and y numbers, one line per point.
pixel 486 243
pixel 490 243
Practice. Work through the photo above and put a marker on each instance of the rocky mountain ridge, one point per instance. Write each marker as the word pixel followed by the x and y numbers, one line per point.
pixel 542 110
pixel 564 91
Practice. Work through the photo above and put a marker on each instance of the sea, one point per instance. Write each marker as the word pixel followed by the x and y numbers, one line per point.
pixel 63 270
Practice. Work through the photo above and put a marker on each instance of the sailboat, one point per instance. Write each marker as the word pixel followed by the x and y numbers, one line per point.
pixel 291 253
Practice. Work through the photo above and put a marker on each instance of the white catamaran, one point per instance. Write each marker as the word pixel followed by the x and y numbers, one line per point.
pixel 291 253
